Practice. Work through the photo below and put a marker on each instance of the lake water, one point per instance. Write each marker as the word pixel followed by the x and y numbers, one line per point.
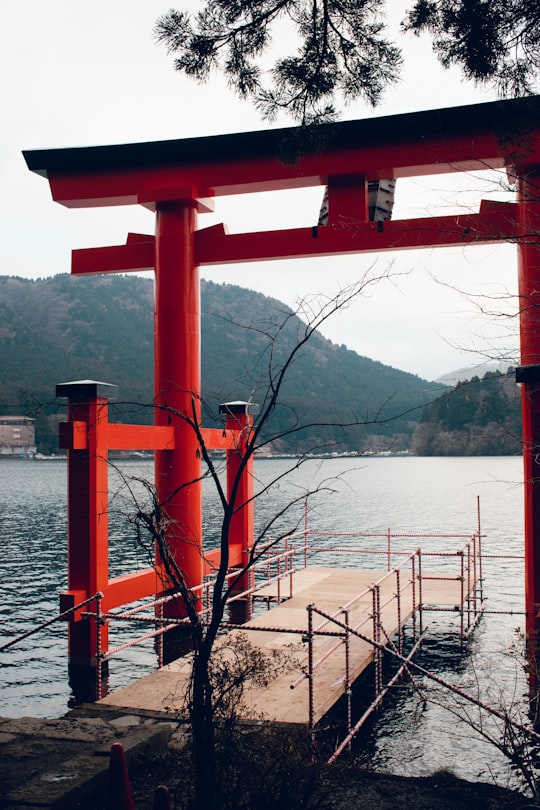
pixel 419 495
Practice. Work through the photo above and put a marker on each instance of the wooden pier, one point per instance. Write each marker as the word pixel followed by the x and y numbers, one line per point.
pixel 365 593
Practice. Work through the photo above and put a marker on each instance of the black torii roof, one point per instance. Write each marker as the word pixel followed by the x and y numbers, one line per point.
pixel 502 118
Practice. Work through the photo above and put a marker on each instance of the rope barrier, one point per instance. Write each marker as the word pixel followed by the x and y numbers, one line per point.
pixel 42 626
pixel 406 535
pixel 436 678
pixel 128 644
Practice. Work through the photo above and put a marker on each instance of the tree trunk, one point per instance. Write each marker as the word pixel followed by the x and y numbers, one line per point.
pixel 203 733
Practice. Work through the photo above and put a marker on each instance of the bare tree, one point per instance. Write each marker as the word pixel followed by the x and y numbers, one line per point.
pixel 212 684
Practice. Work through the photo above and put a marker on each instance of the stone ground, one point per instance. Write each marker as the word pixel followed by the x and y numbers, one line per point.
pixel 62 764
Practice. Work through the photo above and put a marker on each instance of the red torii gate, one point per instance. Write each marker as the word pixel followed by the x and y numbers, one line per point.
pixel 178 179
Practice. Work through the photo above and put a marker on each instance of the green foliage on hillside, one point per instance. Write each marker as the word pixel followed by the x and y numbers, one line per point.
pixel 478 417
pixel 329 386
pixel 66 328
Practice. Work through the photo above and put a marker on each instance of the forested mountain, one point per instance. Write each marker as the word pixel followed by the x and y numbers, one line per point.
pixel 477 417
pixel 69 328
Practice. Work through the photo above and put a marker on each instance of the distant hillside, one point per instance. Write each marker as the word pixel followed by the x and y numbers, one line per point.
pixel 477 417
pixel 66 328
pixel 452 378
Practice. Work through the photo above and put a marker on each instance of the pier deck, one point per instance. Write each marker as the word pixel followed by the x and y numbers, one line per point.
pixel 283 627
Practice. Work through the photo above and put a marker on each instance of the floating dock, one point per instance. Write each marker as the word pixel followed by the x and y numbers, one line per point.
pixel 324 655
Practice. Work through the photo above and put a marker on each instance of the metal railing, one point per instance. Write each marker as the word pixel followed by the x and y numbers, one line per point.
pixel 400 587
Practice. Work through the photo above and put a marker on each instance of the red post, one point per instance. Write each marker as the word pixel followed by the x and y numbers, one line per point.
pixel 529 375
pixel 119 796
pixel 238 416
pixel 178 384
pixel 85 438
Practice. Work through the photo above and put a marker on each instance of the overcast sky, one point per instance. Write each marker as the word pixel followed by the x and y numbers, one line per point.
pixel 79 73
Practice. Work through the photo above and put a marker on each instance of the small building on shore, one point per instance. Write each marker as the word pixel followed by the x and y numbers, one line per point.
pixel 17 437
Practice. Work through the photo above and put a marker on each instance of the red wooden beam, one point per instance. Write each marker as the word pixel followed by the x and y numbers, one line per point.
pixel 248 174
pixel 74 436
pixel 361 237
pixel 219 438
pixel 496 222
pixel 140 437
pixel 127 258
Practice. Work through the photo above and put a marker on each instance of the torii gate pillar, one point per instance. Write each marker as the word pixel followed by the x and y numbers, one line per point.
pixel 529 375
pixel 177 383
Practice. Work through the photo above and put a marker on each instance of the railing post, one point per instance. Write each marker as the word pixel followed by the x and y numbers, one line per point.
pixel 469 585
pixel 290 563
pixel 84 436
pixel 479 551
pixel 159 640
pixel 100 627
pixel 306 516
pixel 413 592
pixel 311 674
pixel 239 417
pixel 347 684
pixel 376 598
pixel 461 555
pixel 420 594
pixel 398 603
pixel 474 575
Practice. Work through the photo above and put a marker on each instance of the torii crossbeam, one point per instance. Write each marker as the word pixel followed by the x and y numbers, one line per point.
pixel 178 179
